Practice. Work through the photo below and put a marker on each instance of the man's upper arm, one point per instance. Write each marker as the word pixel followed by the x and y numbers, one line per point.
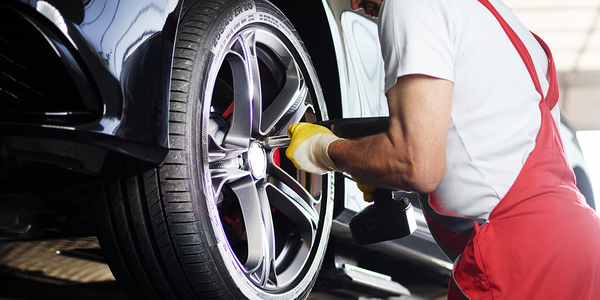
pixel 420 108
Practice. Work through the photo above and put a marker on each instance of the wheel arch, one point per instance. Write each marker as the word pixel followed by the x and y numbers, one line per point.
pixel 311 22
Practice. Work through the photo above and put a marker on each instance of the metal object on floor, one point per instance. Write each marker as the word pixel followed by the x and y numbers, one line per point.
pixel 61 261
pixel 354 281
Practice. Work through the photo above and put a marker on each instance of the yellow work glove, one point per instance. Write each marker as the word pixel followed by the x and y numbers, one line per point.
pixel 367 190
pixel 308 149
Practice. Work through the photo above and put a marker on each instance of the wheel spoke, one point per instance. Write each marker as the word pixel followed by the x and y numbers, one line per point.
pixel 295 207
pixel 250 203
pixel 297 113
pixel 288 108
pixel 247 102
pixel 294 90
pixel 218 153
pixel 241 124
pixel 268 265
pixel 280 176
pixel 291 97
pixel 226 172
pixel 248 45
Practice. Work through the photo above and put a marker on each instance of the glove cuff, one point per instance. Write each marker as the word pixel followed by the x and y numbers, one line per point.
pixel 320 144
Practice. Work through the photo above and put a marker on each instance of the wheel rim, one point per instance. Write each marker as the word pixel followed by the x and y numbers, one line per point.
pixel 270 212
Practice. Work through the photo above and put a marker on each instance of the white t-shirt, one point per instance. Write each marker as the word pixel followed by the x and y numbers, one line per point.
pixel 495 115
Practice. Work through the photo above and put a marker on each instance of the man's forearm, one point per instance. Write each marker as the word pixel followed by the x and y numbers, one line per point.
pixel 385 163
pixel 372 160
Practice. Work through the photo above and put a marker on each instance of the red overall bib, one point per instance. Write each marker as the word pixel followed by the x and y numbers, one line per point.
pixel 542 241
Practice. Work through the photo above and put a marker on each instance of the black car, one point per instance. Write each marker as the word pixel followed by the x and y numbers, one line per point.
pixel 140 127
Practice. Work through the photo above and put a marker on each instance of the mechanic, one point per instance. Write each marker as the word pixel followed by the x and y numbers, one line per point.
pixel 472 98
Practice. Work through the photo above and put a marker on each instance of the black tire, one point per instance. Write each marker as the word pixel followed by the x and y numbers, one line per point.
pixel 211 222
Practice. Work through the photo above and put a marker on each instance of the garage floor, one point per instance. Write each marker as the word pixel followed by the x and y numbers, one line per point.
pixel 20 289
pixel 47 269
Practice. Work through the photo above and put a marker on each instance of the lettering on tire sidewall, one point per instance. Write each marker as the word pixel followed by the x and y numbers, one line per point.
pixel 237 17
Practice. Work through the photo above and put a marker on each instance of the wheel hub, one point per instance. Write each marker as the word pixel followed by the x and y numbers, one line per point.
pixel 257 159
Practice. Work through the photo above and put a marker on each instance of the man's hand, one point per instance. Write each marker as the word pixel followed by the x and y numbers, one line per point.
pixel 308 149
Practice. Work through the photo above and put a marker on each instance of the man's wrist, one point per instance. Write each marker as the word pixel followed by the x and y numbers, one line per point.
pixel 320 146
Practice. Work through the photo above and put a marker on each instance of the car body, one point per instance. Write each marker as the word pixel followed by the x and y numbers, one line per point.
pixel 86 96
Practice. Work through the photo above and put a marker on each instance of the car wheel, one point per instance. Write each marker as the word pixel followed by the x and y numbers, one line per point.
pixel 224 216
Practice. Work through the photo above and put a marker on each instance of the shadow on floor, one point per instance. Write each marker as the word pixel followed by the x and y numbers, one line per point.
pixel 20 289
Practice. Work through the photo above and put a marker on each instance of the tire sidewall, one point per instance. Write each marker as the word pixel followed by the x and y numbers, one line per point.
pixel 230 19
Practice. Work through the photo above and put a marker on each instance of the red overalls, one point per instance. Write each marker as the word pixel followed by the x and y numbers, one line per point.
pixel 542 241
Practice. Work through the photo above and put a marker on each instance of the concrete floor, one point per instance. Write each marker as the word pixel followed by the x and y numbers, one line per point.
pixel 21 289
pixel 39 270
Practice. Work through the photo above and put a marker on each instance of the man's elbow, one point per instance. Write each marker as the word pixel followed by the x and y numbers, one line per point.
pixel 425 177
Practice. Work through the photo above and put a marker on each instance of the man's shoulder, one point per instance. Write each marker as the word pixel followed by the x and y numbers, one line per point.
pixel 430 7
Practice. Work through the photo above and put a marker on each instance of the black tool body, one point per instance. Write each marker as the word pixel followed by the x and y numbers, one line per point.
pixel 386 219
pixel 351 128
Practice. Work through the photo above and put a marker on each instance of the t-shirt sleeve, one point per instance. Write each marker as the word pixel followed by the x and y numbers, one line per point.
pixel 416 38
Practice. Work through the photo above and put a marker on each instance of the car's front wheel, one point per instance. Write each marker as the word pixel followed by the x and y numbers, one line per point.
pixel 224 216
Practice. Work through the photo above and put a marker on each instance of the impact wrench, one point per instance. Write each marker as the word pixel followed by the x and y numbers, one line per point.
pixel 391 216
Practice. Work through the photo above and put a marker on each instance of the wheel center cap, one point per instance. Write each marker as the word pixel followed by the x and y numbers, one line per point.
pixel 257 159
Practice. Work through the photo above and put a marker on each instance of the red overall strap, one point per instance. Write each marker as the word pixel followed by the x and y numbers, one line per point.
pixel 518 44
pixel 553 94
